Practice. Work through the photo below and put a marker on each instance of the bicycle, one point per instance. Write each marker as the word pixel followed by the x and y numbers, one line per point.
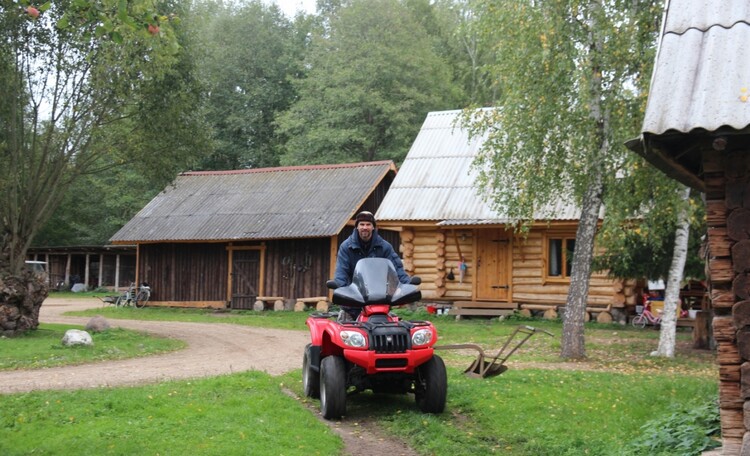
pixel 646 317
pixel 133 297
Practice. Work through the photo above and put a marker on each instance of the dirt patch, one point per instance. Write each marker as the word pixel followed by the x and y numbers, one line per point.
pixel 212 349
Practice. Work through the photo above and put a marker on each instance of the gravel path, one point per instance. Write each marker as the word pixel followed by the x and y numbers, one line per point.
pixel 212 349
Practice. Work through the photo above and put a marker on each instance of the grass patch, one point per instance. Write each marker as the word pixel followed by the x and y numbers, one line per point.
pixel 619 401
pixel 42 347
pixel 536 412
pixel 239 414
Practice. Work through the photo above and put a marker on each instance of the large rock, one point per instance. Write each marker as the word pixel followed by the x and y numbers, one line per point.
pixel 77 337
pixel 97 324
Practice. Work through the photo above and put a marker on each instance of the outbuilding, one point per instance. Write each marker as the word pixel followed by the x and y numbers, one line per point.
pixel 223 239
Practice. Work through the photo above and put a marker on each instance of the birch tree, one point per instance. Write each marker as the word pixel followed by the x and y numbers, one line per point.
pixel 672 294
pixel 571 82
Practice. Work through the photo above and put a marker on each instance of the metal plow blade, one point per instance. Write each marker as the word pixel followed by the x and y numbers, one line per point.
pixel 485 366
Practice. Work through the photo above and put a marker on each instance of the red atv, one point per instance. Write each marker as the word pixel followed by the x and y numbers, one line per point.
pixel 377 351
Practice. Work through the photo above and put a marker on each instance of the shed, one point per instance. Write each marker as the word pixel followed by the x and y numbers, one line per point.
pixel 462 248
pixel 224 238
pixel 697 130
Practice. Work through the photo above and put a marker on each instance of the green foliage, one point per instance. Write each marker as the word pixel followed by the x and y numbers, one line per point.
pixel 372 76
pixel 249 54
pixel 42 347
pixel 687 430
pixel 571 81
pixel 84 81
pixel 638 233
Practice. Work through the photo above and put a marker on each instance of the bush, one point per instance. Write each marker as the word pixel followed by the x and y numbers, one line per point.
pixel 685 431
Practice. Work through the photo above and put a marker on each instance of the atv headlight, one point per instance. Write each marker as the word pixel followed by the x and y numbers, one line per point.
pixel 421 337
pixel 354 339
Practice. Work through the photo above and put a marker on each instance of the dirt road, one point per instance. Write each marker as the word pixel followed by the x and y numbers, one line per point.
pixel 212 349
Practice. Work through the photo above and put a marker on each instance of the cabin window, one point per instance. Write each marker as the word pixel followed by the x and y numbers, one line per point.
pixel 560 256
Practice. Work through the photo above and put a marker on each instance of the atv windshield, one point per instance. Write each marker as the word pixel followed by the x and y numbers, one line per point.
pixel 375 281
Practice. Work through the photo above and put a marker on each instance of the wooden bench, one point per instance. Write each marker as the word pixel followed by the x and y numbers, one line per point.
pixel 268 302
pixel 320 303
pixel 551 311
pixel 482 308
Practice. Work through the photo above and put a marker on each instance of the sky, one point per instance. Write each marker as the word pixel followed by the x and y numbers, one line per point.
pixel 290 7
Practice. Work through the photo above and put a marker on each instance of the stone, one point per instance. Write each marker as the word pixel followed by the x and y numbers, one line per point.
pixel 97 324
pixel 78 288
pixel 76 337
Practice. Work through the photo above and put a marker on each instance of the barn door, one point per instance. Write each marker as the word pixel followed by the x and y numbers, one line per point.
pixel 492 265
pixel 245 278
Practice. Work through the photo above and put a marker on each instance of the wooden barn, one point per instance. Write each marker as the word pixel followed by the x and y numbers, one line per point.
pixel 462 249
pixel 232 238
pixel 697 130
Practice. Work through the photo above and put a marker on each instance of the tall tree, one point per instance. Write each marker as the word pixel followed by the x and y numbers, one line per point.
pixel 249 54
pixel 571 81
pixel 372 76
pixel 68 73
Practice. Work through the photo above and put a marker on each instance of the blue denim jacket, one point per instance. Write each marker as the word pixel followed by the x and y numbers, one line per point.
pixel 350 252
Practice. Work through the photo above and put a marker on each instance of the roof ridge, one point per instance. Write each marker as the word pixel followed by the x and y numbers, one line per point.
pixel 288 168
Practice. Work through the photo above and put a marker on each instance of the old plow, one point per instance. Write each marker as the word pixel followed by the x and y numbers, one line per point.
pixel 489 365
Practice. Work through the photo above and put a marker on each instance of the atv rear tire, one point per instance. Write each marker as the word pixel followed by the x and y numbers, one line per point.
pixel 431 387
pixel 310 376
pixel 332 387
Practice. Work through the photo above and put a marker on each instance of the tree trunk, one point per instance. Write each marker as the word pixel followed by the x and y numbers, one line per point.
pixel 672 294
pixel 572 338
pixel 21 297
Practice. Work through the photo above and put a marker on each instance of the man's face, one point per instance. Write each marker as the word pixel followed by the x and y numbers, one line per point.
pixel 365 230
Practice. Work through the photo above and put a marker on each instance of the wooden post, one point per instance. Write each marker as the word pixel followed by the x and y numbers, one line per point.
pixel 700 331
pixel 100 282
pixel 67 270
pixel 87 272
pixel 117 272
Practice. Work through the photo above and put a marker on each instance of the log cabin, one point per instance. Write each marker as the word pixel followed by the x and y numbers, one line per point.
pixel 234 239
pixel 464 251
pixel 697 130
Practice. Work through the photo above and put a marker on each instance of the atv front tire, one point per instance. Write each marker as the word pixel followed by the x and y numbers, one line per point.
pixel 310 376
pixel 332 387
pixel 431 387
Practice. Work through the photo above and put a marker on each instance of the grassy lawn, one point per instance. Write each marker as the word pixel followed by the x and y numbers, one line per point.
pixel 42 348
pixel 618 398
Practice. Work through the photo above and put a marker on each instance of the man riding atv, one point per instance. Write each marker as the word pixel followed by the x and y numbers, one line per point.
pixel 365 242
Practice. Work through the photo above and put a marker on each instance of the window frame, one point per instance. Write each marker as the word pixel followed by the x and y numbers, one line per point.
pixel 564 237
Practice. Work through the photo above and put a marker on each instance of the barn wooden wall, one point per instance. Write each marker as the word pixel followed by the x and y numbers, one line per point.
pixel 184 272
pixel 297 268
pixel 431 253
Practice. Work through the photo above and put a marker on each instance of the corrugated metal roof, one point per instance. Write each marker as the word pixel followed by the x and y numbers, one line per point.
pixel 437 183
pixel 268 203
pixel 702 71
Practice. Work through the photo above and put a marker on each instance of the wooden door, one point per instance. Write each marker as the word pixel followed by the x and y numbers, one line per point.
pixel 245 278
pixel 492 265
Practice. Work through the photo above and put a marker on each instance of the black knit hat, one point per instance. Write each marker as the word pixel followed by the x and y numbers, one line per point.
pixel 364 216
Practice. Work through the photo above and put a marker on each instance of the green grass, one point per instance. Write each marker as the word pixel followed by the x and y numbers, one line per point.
pixel 43 347
pixel 541 406
pixel 240 414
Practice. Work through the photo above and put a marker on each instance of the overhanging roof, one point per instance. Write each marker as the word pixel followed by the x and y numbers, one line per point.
pixel 700 88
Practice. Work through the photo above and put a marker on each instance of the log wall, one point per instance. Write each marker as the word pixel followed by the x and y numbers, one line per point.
pixel 432 253
pixel 727 177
